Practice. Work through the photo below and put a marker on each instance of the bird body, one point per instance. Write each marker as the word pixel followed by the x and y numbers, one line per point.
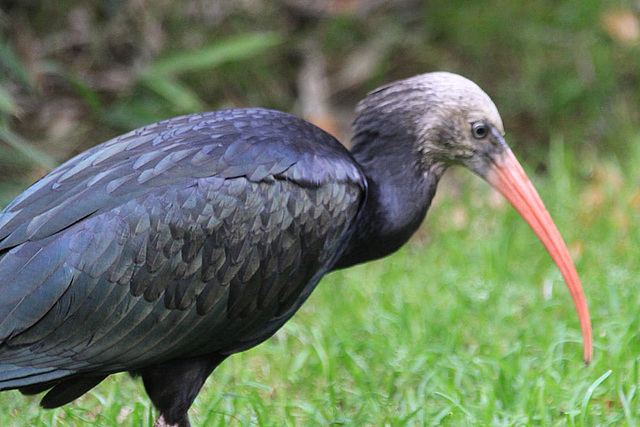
pixel 188 237
pixel 165 250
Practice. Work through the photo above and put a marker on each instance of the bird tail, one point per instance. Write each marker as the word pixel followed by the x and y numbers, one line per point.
pixel 63 385
pixel 16 377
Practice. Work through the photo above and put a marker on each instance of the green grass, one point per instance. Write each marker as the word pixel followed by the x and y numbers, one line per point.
pixel 470 323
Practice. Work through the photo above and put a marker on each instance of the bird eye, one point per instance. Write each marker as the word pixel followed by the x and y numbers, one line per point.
pixel 480 130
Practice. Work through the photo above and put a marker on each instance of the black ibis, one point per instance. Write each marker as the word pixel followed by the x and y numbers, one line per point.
pixel 165 250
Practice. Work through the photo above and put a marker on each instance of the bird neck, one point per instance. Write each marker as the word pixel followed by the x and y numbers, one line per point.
pixel 400 188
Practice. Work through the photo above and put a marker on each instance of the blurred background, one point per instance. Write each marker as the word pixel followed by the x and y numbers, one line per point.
pixel 495 345
pixel 76 73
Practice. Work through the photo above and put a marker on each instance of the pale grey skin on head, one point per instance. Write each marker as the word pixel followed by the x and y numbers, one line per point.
pixel 441 108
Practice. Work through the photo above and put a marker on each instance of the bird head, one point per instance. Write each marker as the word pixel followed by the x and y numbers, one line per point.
pixel 451 121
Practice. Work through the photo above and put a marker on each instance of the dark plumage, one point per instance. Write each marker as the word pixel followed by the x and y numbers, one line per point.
pixel 167 249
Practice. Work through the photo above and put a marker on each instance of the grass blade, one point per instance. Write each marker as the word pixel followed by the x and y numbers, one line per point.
pixel 181 97
pixel 13 66
pixel 7 105
pixel 89 95
pixel 626 404
pixel 233 49
pixel 592 388
pixel 18 143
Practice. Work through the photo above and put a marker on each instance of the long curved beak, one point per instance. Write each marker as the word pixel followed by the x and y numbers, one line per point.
pixel 507 176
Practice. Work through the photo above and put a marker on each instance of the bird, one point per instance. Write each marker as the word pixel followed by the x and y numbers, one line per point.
pixel 165 250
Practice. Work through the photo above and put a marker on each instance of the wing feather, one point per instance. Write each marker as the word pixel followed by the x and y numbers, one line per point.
pixel 195 235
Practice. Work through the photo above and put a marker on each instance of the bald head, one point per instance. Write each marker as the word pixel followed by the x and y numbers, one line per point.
pixel 455 94
pixel 443 114
pixel 439 93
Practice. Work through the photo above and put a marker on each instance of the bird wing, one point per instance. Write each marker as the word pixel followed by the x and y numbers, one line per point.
pixel 195 235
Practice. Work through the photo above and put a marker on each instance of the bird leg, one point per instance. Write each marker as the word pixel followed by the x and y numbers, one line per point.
pixel 162 422
pixel 172 386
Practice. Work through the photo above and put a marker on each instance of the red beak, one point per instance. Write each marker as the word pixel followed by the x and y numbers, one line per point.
pixel 507 176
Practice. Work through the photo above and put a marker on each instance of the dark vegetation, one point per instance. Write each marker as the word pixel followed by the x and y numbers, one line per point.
pixel 75 73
